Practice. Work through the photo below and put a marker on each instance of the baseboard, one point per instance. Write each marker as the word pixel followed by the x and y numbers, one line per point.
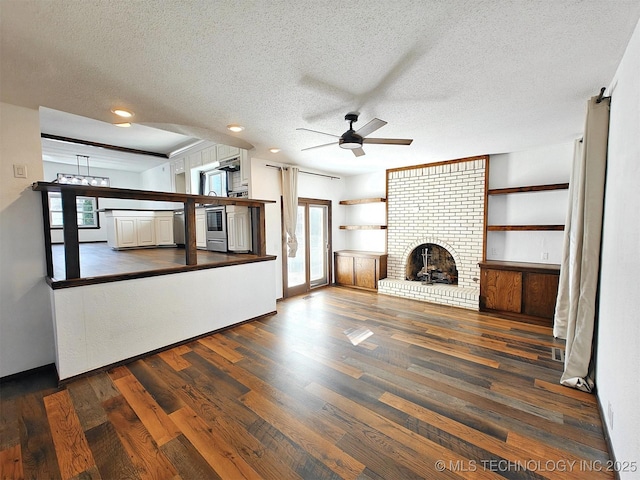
pixel 607 437
pixel 50 367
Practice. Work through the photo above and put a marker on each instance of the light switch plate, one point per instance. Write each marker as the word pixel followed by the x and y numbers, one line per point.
pixel 19 171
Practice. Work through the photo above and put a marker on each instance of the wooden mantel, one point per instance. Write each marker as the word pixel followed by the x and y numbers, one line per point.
pixel 69 193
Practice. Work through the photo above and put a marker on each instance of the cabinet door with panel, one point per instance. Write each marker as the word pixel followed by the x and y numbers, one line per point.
pixel 225 152
pixel 195 160
pixel 238 228
pixel 501 290
pixel 245 167
pixel 539 294
pixel 365 272
pixel 146 230
pixel 179 165
pixel 201 229
pixel 164 230
pixel 209 155
pixel 344 270
pixel 126 232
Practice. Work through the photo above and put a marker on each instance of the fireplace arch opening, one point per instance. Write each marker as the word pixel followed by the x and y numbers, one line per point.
pixel 431 263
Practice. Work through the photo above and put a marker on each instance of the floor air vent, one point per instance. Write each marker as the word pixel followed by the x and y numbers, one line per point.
pixel 557 354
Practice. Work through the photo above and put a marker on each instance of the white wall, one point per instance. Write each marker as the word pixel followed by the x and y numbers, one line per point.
pixel 265 184
pixel 545 165
pixel 618 360
pixel 370 185
pixel 26 331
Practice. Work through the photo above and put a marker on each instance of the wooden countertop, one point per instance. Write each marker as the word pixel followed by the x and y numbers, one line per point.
pixel 521 266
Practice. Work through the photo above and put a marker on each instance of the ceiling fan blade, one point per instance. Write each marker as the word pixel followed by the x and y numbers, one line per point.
pixel 358 152
pixel 371 127
pixel 388 141
pixel 316 131
pixel 320 146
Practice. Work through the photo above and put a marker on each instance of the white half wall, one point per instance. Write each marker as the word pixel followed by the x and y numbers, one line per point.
pixel 618 358
pixel 98 325
pixel 26 332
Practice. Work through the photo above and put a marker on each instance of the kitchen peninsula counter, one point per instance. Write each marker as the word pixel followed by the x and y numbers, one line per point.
pixel 106 320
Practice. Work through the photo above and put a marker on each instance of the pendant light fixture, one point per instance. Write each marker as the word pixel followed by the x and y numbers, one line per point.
pixel 77 179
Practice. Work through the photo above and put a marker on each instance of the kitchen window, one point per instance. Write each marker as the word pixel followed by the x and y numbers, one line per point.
pixel 215 183
pixel 86 208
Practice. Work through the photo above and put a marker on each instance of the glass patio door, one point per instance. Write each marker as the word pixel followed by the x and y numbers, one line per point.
pixel 311 266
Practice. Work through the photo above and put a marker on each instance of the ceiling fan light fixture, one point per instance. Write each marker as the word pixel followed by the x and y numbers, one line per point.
pixel 350 140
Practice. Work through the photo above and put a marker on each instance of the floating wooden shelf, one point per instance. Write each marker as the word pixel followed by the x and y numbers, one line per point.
pixel 523 228
pixel 363 227
pixel 531 188
pixel 358 201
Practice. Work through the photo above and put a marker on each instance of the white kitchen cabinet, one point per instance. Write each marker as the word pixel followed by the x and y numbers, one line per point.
pixel 125 233
pixel 209 155
pixel 195 160
pixel 201 228
pixel 146 231
pixel 245 167
pixel 164 229
pixel 179 164
pixel 225 152
pixel 238 228
pixel 139 228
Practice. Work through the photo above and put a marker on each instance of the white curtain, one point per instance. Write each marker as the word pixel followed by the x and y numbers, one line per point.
pixel 290 207
pixel 576 304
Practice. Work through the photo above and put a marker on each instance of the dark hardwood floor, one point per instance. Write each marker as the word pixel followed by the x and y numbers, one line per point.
pixel 426 392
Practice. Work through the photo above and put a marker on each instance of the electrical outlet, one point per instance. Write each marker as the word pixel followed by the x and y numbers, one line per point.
pixel 610 415
pixel 493 251
pixel 545 256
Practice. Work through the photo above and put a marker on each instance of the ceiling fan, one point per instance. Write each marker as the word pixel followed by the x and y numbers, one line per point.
pixel 353 140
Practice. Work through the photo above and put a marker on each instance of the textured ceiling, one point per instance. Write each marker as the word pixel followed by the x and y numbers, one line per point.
pixel 459 77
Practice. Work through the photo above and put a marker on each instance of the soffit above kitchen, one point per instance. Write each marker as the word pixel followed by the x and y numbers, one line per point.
pixel 461 78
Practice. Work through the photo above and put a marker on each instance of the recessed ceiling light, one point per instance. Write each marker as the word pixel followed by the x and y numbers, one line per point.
pixel 235 128
pixel 122 124
pixel 274 150
pixel 121 112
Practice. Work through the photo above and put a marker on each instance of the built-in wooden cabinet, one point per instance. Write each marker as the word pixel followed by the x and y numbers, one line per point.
pixel 360 269
pixel 526 289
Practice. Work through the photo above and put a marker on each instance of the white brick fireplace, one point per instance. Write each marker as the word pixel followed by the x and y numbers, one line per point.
pixel 442 204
